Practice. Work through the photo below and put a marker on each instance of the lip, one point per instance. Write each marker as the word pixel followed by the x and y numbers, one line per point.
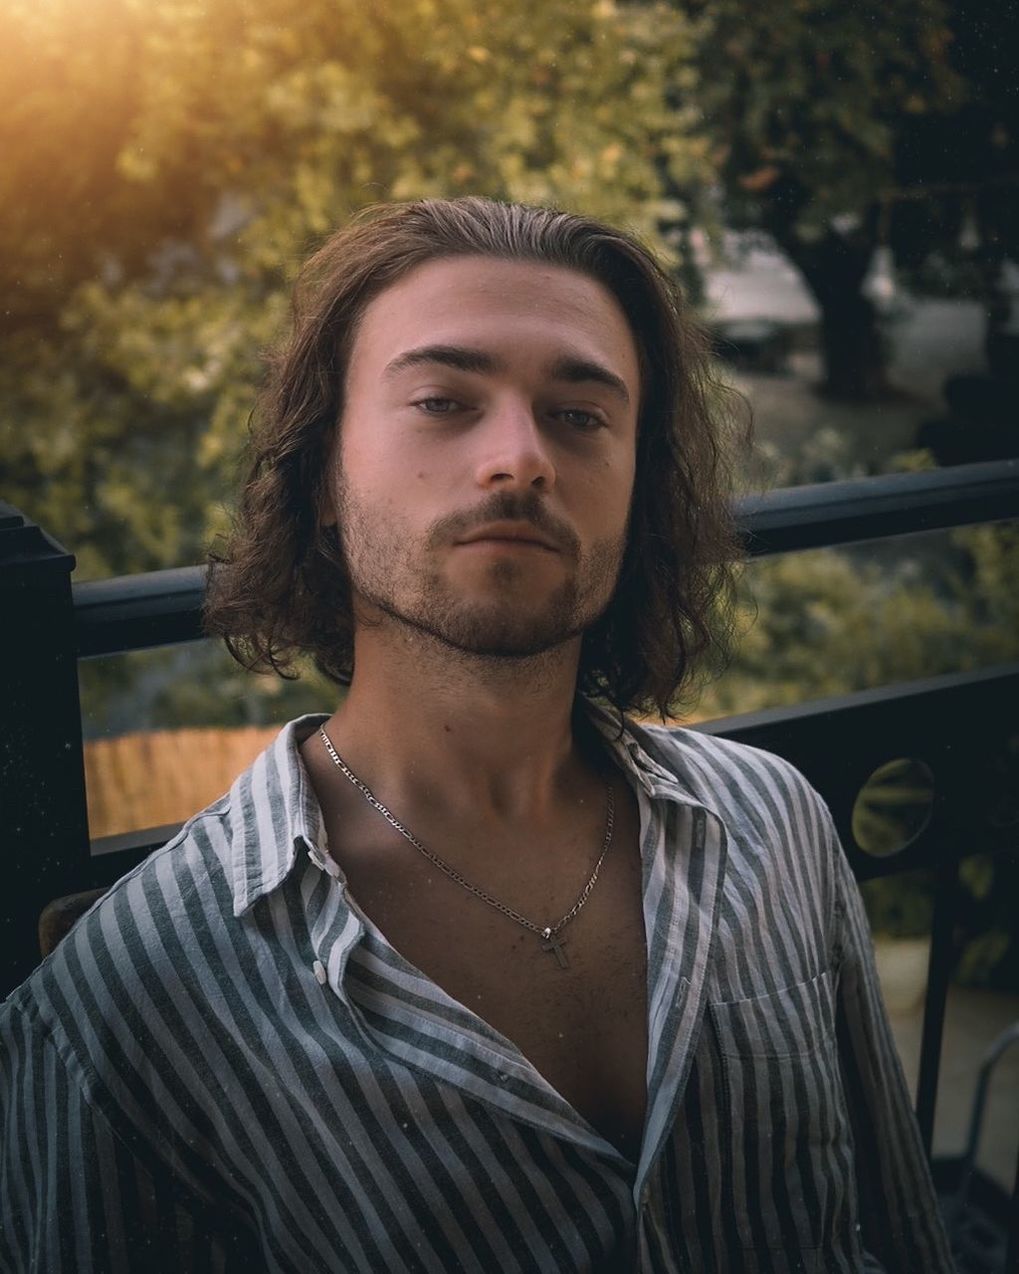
pixel 512 533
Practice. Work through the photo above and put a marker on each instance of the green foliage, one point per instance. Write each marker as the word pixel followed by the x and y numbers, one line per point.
pixel 900 906
pixel 190 686
pixel 808 98
pixel 986 929
pixel 828 622
pixel 168 165
pixel 985 938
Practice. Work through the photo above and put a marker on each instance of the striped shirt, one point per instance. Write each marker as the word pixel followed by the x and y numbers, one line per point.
pixel 226 1065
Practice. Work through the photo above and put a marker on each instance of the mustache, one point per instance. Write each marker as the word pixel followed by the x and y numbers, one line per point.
pixel 506 506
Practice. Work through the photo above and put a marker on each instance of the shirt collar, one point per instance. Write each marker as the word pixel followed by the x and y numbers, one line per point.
pixel 275 814
pixel 634 748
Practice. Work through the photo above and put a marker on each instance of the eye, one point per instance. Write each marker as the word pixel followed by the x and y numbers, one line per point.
pixel 436 406
pixel 579 418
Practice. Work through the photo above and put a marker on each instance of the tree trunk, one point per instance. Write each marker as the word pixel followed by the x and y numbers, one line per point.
pixel 855 365
pixel 834 267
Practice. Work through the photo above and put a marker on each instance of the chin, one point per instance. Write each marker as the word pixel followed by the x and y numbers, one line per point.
pixel 512 635
pixel 514 623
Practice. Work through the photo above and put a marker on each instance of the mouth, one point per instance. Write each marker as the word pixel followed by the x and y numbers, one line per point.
pixel 508 535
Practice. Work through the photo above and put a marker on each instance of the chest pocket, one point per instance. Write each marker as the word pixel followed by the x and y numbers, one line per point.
pixel 788 1172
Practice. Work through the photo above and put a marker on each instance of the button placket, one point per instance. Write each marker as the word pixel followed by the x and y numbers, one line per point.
pixel 330 867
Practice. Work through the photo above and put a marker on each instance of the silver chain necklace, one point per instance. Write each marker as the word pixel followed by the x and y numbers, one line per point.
pixel 551 942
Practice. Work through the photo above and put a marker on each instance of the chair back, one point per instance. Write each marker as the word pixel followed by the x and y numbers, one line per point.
pixel 60 916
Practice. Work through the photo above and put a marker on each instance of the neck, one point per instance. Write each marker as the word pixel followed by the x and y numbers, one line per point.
pixel 491 739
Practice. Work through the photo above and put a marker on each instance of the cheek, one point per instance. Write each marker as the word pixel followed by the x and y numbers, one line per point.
pixel 381 458
pixel 609 492
pixel 358 455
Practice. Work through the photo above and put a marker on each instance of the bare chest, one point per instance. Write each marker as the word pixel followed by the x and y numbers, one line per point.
pixel 583 1026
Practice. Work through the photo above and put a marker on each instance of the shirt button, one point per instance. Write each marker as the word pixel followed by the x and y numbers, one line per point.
pixel 320 973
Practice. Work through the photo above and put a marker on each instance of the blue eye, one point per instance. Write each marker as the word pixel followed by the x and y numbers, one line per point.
pixel 437 406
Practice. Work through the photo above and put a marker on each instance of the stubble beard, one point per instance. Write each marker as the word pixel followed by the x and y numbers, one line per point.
pixel 392 574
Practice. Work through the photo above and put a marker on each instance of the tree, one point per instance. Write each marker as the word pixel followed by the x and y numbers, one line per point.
pixel 814 109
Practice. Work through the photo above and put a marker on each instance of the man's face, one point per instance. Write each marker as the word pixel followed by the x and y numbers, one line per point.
pixel 486 454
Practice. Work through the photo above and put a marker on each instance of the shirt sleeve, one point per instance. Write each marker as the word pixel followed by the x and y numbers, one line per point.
pixel 900 1218
pixel 73 1196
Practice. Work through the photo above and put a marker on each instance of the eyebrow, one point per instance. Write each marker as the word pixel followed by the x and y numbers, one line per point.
pixel 463 358
pixel 578 370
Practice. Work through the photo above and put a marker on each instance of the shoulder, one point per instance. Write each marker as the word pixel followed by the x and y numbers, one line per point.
pixel 87 998
pixel 745 785
pixel 712 763
pixel 782 850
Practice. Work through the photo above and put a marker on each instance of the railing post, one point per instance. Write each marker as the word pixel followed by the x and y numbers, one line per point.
pixel 43 822
pixel 939 971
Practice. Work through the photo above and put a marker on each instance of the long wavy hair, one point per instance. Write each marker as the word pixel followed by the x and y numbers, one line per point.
pixel 279 587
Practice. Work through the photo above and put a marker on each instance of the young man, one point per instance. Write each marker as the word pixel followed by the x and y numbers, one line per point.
pixel 475 974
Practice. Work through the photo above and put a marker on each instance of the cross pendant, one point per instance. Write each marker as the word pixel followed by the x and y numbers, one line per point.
pixel 555 944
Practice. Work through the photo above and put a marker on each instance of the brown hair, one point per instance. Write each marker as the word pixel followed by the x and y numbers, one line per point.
pixel 280 587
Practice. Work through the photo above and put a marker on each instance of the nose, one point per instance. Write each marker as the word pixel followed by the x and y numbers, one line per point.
pixel 513 451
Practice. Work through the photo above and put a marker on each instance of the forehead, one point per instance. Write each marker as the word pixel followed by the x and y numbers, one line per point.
pixel 513 308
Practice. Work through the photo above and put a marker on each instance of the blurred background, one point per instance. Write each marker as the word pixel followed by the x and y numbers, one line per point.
pixel 836 186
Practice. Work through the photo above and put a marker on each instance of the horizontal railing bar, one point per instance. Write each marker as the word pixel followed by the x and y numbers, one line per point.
pixel 905 693
pixel 831 513
pixel 144 837
pixel 135 612
pixel 157 608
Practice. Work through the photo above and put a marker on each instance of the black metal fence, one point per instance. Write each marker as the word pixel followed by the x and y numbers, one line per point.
pixel 962 732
